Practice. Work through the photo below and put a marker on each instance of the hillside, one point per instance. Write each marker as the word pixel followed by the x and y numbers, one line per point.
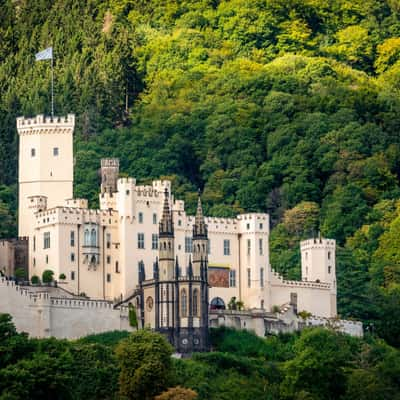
pixel 286 107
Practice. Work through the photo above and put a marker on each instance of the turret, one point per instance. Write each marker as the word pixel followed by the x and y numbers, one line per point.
pixel 166 241
pixel 200 240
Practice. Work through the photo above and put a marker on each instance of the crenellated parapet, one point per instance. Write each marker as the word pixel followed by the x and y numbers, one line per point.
pixel 42 125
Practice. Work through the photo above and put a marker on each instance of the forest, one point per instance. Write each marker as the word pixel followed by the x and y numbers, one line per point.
pixel 289 107
pixel 318 364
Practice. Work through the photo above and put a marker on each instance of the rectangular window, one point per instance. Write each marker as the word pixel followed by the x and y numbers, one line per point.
pixel 108 277
pixel 117 267
pixel 261 226
pixel 232 278
pixel 34 243
pixel 55 151
pixel 227 247
pixel 34 261
pixel 248 277
pixel 72 238
pixel 108 240
pixel 140 218
pixel 72 275
pixel 248 247
pixel 154 241
pixel 247 226
pixel 47 259
pixel 260 247
pixel 208 246
pixel 188 244
pixel 154 219
pixel 140 240
pixel 72 257
pixel 46 240
pixel 33 152
pixel 261 277
pixel 108 259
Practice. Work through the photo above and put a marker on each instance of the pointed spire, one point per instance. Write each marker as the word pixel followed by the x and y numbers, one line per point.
pixel 166 226
pixel 199 227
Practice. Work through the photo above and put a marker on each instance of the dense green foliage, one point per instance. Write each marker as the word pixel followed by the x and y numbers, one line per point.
pixel 315 364
pixel 287 107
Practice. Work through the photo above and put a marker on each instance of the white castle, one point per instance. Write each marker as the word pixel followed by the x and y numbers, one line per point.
pixel 99 252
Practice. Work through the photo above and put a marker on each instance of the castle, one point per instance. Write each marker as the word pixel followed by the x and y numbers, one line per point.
pixel 143 231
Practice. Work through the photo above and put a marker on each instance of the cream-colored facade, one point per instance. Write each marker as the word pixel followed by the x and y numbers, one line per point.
pixel 99 251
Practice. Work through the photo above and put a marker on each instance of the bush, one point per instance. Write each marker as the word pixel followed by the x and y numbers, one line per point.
pixel 20 274
pixel 35 280
pixel 47 276
pixel 62 277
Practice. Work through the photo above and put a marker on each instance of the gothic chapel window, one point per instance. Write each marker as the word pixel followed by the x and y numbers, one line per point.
pixel 195 302
pixel 183 303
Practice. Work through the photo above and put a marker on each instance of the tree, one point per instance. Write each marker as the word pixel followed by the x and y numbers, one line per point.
pixel 7 328
pixel 47 276
pixel 35 280
pixel 20 274
pixel 145 362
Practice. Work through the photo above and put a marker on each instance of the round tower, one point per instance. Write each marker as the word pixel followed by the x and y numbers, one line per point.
pixel 318 260
pixel 45 164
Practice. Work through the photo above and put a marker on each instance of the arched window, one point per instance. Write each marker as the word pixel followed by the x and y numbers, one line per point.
pixel 183 303
pixel 217 304
pixel 93 238
pixel 169 245
pixel 195 302
pixel 87 237
pixel 165 246
pixel 204 247
pixel 198 248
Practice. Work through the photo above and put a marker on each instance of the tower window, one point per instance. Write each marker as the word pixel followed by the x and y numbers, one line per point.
pixel 227 247
pixel 72 275
pixel 55 151
pixel 108 278
pixel 47 259
pixel 140 240
pixel 183 303
pixel 248 277
pixel 329 255
pixel 86 237
pixel 93 238
pixel 247 226
pixel 117 267
pixel 260 247
pixel 108 259
pixel 34 243
pixel 108 240
pixel 306 256
pixel 262 277
pixel 188 244
pixel 72 257
pixel 72 238
pixel 261 226
pixel 33 152
pixel 179 222
pixel 154 218
pixel 248 247
pixel 154 241
pixel 46 240
pixel 329 269
pixel 232 278
pixel 195 302
pixel 140 218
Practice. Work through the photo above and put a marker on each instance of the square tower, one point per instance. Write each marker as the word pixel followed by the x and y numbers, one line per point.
pixel 45 164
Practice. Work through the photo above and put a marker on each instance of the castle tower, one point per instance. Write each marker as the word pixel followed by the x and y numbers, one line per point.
pixel 200 240
pixel 109 174
pixel 45 164
pixel 318 260
pixel 109 183
pixel 166 242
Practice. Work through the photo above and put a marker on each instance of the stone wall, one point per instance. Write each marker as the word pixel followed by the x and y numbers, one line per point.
pixel 41 315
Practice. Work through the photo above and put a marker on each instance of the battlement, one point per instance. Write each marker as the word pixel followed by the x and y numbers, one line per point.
pixel 317 243
pixel 126 181
pixel 278 279
pixel 76 203
pixel 42 124
pixel 109 162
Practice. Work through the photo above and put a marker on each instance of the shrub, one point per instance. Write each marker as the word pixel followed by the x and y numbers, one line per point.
pixel 20 274
pixel 47 276
pixel 62 277
pixel 35 280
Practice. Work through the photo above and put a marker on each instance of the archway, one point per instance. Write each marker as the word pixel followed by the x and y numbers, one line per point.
pixel 217 304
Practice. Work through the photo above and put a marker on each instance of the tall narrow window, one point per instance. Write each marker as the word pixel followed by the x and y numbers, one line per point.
pixel 154 241
pixel 260 247
pixel 329 269
pixel 248 247
pixel 140 218
pixel 72 238
pixel 86 237
pixel 117 267
pixel 72 257
pixel 108 278
pixel 140 240
pixel 188 244
pixel 227 247
pixel 195 302
pixel 248 277
pixel 33 152
pixel 93 238
pixel 329 255
pixel 108 240
pixel 232 278
pixel 183 303
pixel 72 275
pixel 208 246
pixel 262 277
pixel 46 240
pixel 55 151
pixel 34 243
pixel 154 218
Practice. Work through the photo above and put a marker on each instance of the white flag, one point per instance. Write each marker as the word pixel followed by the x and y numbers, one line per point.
pixel 46 54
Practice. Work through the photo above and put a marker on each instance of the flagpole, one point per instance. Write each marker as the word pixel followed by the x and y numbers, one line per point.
pixel 52 87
